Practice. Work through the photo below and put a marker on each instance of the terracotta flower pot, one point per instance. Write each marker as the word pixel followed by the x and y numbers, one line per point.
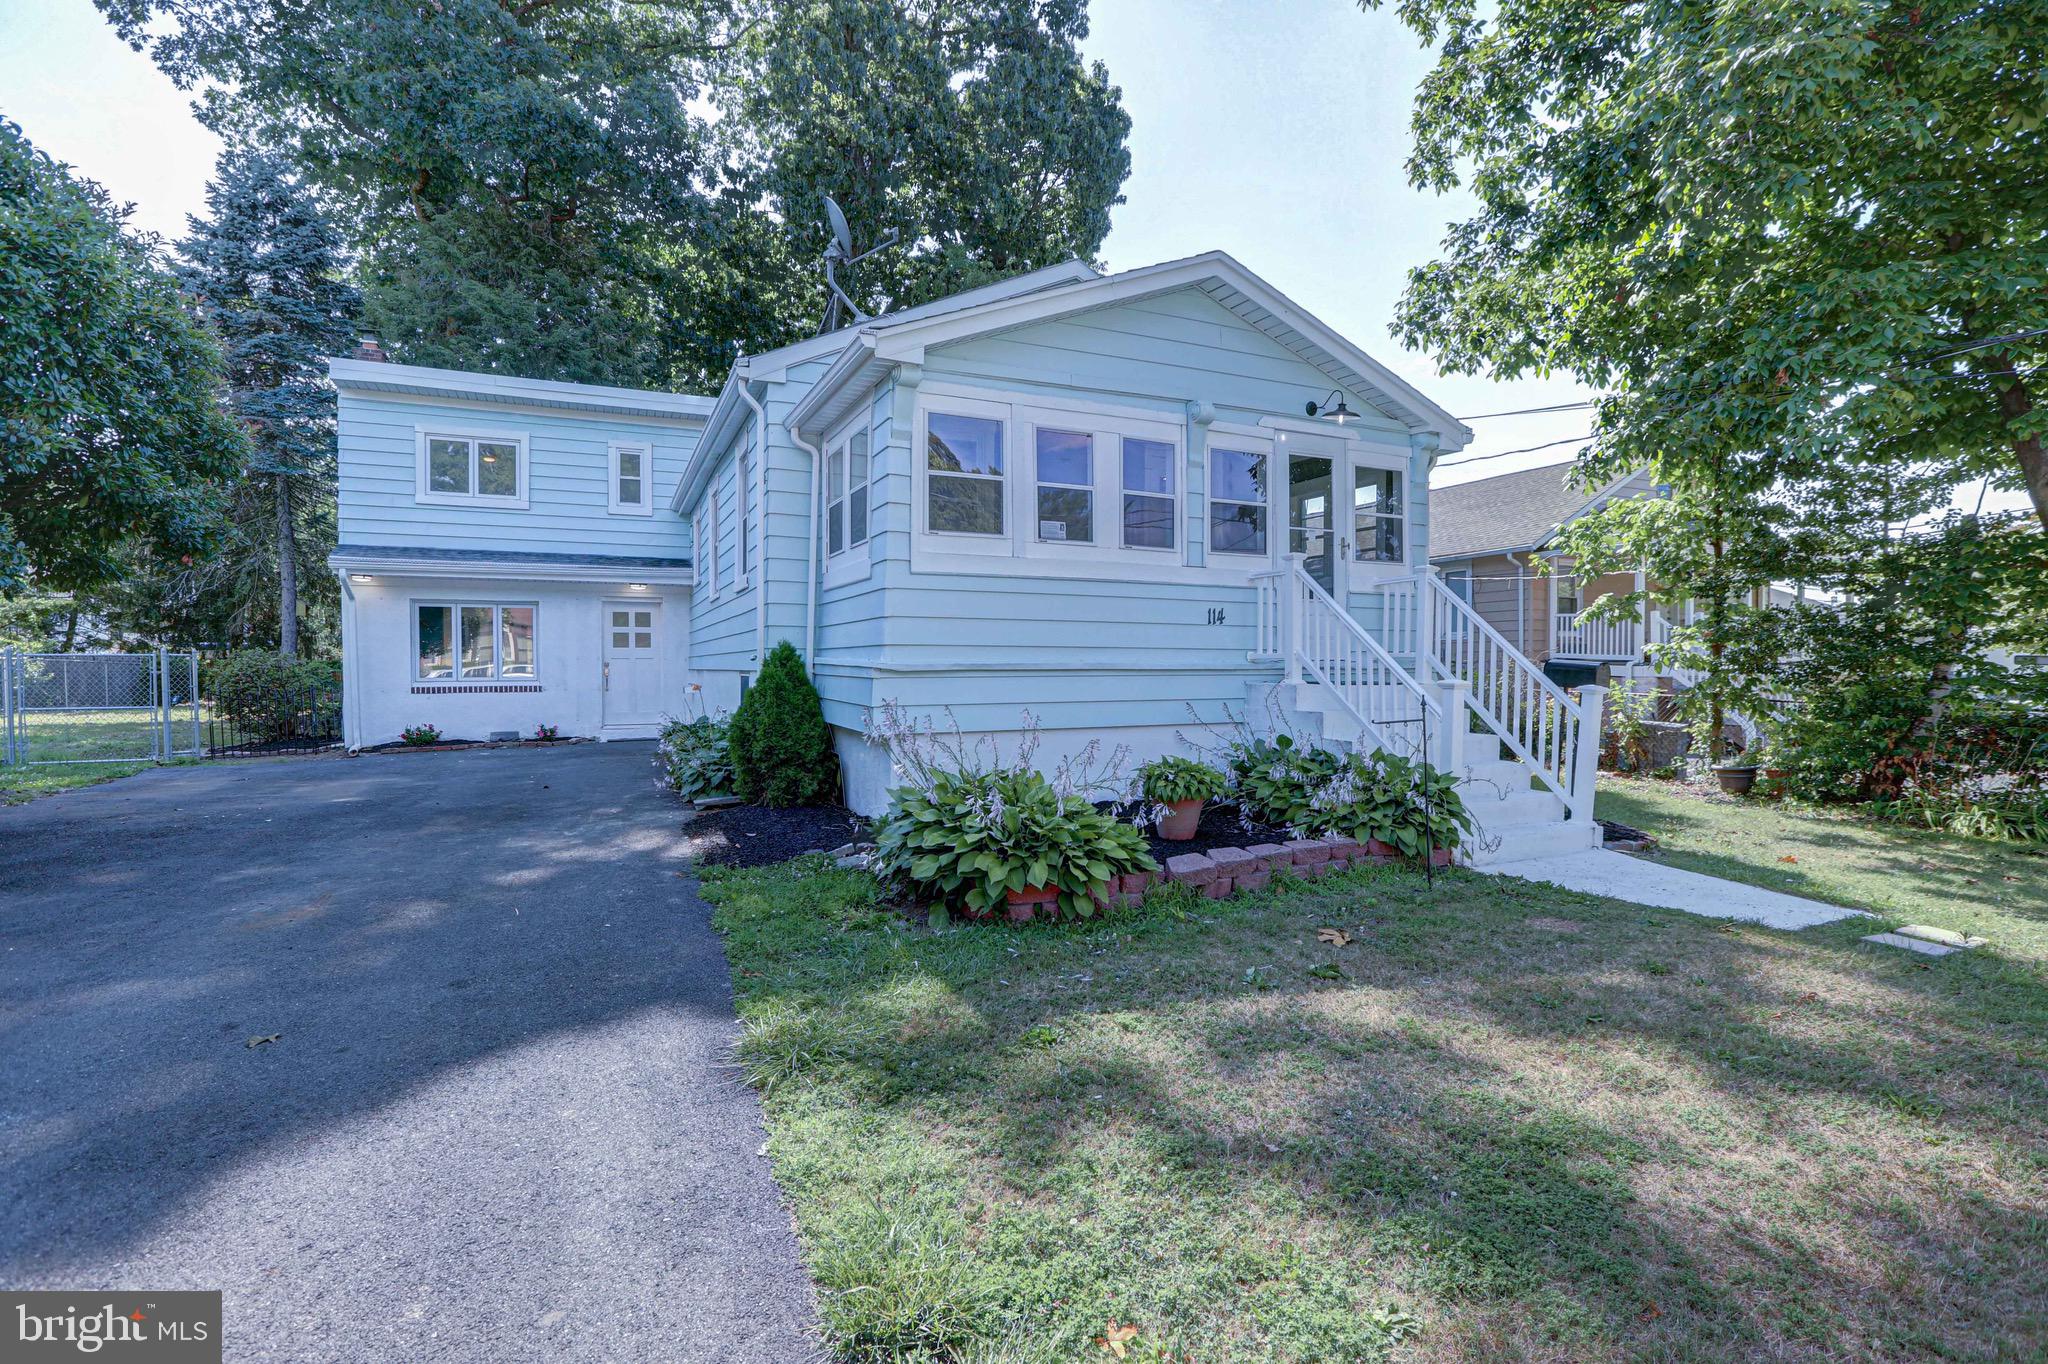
pixel 1026 903
pixel 1735 781
pixel 1182 817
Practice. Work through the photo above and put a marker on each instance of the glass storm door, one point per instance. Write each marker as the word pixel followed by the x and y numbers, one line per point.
pixel 1311 527
pixel 632 662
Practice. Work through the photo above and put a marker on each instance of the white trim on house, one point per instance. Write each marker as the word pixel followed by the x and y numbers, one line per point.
pixel 615 451
pixel 380 376
pixel 365 561
pixel 475 437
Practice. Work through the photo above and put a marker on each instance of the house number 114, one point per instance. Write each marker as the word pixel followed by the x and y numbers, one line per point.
pixel 1215 615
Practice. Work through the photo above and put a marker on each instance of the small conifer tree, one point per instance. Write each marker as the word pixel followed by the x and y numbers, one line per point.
pixel 781 748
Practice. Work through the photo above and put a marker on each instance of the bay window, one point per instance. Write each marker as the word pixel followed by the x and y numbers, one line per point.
pixel 474 642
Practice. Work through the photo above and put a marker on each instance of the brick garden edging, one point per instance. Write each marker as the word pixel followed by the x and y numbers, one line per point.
pixel 1221 871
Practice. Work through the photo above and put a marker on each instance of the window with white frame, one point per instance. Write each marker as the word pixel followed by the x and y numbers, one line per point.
pixel 486 470
pixel 632 490
pixel 1570 593
pixel 1379 516
pixel 1148 493
pixel 846 496
pixel 704 542
pixel 474 642
pixel 744 486
pixel 1237 501
pixel 964 484
pixel 1066 486
pixel 711 533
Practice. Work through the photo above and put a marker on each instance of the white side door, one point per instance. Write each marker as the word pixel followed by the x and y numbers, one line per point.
pixel 632 663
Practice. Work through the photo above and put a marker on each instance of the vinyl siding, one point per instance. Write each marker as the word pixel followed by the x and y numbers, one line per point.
pixel 567 477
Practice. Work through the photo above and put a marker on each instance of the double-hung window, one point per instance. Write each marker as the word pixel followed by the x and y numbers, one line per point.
pixel 1237 501
pixel 471 469
pixel 846 482
pixel 743 491
pixel 704 543
pixel 712 530
pixel 1148 489
pixel 964 474
pixel 632 487
pixel 1066 486
pixel 1379 516
pixel 474 642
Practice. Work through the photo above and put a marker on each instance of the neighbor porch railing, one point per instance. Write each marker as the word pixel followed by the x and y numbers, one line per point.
pixel 1577 634
pixel 1556 737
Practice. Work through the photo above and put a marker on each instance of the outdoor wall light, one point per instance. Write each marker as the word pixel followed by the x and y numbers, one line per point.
pixel 361 578
pixel 637 587
pixel 1338 414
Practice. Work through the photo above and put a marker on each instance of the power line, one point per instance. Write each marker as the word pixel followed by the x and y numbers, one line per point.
pixel 1527 411
pixel 1525 450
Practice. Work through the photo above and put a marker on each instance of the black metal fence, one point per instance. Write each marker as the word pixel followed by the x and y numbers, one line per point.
pixel 283 720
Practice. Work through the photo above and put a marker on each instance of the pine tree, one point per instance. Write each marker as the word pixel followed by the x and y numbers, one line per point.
pixel 781 748
pixel 266 269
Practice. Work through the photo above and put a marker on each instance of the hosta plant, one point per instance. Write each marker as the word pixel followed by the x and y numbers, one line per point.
pixel 1169 781
pixel 694 757
pixel 967 839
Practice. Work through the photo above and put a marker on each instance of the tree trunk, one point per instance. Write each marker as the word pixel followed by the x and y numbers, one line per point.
pixel 71 626
pixel 2015 404
pixel 287 573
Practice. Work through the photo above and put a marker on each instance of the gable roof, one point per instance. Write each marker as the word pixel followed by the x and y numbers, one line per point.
pixel 1505 513
pixel 875 348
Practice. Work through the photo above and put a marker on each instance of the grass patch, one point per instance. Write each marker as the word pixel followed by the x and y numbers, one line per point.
pixel 1998 891
pixel 21 784
pixel 1479 1138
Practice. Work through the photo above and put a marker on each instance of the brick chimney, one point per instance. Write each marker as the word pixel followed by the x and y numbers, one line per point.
pixel 368 349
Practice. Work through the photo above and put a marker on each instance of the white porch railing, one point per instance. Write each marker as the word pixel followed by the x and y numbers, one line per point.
pixel 1579 635
pixel 1319 640
pixel 1557 738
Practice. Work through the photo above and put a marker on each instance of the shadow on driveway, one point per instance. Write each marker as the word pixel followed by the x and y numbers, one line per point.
pixel 495 1122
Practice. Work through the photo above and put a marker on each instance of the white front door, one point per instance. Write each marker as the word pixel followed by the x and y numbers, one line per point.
pixel 632 663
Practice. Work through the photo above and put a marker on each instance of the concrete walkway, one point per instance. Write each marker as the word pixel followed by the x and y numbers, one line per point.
pixel 1642 881
pixel 417 1057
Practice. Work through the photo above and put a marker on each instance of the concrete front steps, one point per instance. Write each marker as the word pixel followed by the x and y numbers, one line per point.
pixel 1516 817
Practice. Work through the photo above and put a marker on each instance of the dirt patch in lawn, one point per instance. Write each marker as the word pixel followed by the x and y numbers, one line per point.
pixel 755 836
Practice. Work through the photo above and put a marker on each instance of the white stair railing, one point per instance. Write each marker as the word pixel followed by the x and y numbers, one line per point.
pixel 1557 738
pixel 1328 645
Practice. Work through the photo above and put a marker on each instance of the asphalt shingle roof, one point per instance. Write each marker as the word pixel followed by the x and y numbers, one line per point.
pixel 1505 512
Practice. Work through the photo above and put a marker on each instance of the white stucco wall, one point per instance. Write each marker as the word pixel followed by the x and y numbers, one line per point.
pixel 377 653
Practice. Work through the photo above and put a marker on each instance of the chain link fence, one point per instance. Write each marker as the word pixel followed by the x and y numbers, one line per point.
pixel 98 707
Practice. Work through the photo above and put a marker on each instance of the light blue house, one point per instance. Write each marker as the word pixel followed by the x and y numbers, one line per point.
pixel 1132 506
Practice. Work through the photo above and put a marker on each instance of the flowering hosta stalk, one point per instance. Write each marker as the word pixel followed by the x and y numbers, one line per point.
pixel 972 837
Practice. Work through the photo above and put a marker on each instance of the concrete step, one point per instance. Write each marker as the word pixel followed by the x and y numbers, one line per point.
pixel 1518 842
pixel 1495 779
pixel 1518 808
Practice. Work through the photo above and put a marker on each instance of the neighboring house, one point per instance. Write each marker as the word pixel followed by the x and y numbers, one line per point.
pixel 1134 506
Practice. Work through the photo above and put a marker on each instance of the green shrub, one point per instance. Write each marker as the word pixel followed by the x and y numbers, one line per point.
pixel 694 757
pixel 1169 781
pixel 781 748
pixel 971 837
pixel 1315 793
pixel 270 696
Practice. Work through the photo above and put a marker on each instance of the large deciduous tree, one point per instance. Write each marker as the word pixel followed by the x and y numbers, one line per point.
pixel 112 429
pixel 266 269
pixel 628 193
pixel 1794 239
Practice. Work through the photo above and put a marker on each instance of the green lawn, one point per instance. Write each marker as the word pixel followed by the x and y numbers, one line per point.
pixel 21 784
pixel 1504 1122
pixel 1998 891
pixel 70 749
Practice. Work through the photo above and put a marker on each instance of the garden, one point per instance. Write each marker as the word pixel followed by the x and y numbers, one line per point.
pixel 1344 1111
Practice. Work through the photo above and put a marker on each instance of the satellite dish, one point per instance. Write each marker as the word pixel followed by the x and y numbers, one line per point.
pixel 840 307
pixel 840 231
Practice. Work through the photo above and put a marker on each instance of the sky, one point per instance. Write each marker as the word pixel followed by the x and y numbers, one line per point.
pixel 1274 130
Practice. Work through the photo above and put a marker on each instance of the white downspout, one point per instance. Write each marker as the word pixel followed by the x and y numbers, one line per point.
pixel 351 670
pixel 758 562
pixel 811 532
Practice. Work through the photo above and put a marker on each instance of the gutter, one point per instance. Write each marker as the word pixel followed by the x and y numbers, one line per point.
pixel 760 501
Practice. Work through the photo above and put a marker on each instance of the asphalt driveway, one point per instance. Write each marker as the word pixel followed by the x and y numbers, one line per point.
pixel 495 1122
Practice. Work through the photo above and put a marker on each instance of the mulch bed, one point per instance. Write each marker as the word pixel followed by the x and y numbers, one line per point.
pixel 755 836
pixel 1219 828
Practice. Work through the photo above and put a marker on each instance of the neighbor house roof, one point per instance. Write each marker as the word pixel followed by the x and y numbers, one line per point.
pixel 381 376
pixel 1506 513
